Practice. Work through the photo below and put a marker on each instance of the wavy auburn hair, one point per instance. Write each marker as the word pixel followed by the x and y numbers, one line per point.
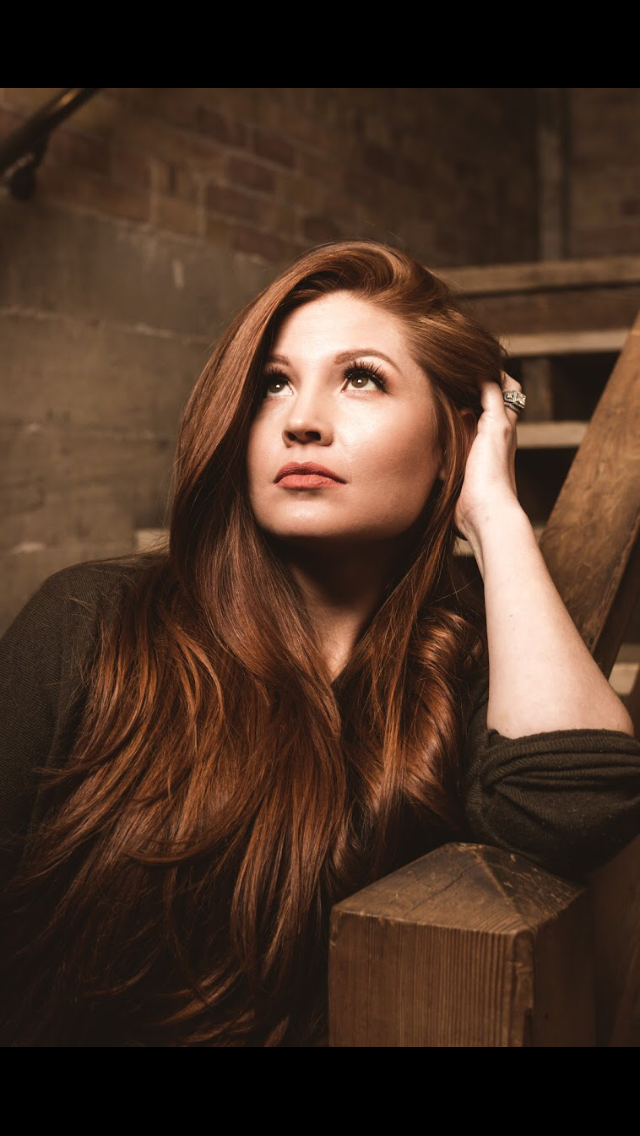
pixel 221 793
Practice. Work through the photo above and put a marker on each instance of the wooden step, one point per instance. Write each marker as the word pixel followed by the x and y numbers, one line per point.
pixel 544 275
pixel 553 307
pixel 610 340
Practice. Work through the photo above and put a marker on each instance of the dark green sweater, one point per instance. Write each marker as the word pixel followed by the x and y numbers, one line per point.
pixel 567 799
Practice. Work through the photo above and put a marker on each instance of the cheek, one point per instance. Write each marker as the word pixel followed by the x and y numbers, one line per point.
pixel 404 454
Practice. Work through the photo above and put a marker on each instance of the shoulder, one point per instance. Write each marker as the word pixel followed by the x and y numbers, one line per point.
pixel 56 624
pixel 43 653
pixel 84 584
pixel 79 590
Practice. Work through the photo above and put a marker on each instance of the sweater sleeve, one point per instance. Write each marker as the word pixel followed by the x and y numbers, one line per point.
pixel 30 665
pixel 40 679
pixel 567 799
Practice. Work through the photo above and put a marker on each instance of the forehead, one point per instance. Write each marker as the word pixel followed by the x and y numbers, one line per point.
pixel 339 322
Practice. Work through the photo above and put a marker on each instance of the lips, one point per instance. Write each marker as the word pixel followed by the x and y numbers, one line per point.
pixel 305 468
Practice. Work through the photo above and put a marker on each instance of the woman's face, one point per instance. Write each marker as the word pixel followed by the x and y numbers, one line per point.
pixel 382 444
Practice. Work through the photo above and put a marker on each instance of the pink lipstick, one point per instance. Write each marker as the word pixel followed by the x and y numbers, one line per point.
pixel 307 481
pixel 307 475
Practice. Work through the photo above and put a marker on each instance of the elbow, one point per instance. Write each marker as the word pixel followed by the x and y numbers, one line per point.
pixel 626 723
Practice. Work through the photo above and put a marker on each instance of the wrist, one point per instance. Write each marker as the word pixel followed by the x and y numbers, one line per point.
pixel 495 522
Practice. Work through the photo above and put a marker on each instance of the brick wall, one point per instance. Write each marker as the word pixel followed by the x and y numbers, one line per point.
pixel 270 171
pixel 158 212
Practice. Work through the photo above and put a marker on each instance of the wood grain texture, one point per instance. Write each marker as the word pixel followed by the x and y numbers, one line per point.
pixel 535 347
pixel 477 280
pixel 564 312
pixel 553 172
pixel 590 541
pixel 614 892
pixel 467 946
pixel 538 384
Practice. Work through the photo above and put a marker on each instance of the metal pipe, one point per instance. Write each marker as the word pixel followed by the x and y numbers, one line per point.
pixel 24 149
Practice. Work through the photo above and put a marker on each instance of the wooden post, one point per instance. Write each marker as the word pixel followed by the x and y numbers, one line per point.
pixel 590 542
pixel 467 946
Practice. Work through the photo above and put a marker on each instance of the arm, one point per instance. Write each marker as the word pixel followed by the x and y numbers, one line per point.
pixel 567 799
pixel 542 676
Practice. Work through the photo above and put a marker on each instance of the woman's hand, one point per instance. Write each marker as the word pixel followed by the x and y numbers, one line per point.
pixel 489 478
pixel 542 676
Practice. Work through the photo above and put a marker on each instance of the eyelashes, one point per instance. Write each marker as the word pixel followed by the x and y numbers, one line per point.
pixel 354 370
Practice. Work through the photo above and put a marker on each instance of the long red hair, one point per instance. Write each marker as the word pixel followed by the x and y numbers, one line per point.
pixel 221 795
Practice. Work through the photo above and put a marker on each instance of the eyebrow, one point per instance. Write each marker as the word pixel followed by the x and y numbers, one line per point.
pixel 342 356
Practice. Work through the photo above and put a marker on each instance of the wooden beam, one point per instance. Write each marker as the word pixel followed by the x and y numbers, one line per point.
pixel 590 541
pixel 537 378
pixel 614 891
pixel 553 174
pixel 545 343
pixel 543 276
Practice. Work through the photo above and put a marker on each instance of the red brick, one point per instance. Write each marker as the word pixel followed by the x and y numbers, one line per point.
pixel 75 150
pixel 301 192
pixel 380 160
pixel 177 215
pixel 68 186
pixel 282 218
pixel 131 169
pixel 274 148
pixel 291 123
pixel 321 229
pixel 214 124
pixel 363 186
pixel 264 244
pixel 164 176
pixel 319 168
pixel 233 203
pixel 167 143
pixel 410 172
pixel 175 180
pixel 242 171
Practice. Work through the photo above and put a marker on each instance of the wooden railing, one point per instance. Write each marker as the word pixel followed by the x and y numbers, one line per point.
pixel 474 946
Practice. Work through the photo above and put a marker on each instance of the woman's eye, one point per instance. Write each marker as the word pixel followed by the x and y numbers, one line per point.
pixel 355 374
pixel 361 376
pixel 273 381
pixel 367 371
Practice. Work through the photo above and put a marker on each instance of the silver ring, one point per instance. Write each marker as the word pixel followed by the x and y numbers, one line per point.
pixel 515 400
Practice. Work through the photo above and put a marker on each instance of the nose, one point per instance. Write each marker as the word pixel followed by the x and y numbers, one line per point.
pixel 309 419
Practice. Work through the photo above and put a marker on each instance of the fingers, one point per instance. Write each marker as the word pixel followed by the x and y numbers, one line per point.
pixel 491 396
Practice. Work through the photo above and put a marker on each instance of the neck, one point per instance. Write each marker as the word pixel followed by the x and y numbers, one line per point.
pixel 342 584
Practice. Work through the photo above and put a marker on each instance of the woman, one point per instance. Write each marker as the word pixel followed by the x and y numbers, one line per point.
pixel 209 748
